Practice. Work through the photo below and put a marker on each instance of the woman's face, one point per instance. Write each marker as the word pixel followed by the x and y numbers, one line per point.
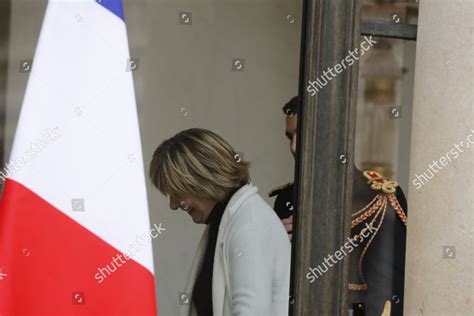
pixel 197 207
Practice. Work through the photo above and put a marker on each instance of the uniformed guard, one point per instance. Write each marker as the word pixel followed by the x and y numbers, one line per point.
pixel 377 267
pixel 377 263
pixel 284 202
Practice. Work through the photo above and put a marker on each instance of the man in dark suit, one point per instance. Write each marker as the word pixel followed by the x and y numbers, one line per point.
pixel 383 265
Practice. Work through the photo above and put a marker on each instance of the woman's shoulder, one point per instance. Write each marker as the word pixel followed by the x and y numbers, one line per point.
pixel 255 213
pixel 257 226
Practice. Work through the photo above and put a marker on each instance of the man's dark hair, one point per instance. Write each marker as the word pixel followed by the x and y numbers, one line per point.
pixel 292 106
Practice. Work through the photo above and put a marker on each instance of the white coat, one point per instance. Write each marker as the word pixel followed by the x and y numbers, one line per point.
pixel 251 271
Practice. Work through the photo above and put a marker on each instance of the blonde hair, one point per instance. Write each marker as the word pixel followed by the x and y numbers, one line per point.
pixel 199 162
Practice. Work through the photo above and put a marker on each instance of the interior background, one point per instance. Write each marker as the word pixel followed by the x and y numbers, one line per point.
pixel 185 79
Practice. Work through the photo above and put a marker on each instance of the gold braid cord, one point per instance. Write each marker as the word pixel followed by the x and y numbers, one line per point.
pixel 371 212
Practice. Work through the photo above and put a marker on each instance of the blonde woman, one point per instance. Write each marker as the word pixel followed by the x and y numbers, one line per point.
pixel 242 264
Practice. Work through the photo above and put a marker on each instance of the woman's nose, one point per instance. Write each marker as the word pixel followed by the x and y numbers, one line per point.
pixel 174 203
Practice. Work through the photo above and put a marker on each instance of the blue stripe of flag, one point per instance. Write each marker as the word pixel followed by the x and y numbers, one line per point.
pixel 114 6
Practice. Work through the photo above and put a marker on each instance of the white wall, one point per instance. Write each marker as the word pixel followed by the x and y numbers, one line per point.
pixel 190 67
pixel 439 277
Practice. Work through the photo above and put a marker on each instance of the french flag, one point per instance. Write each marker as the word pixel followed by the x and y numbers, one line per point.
pixel 75 236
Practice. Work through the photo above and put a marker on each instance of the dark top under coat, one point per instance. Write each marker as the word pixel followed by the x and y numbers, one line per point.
pixel 202 292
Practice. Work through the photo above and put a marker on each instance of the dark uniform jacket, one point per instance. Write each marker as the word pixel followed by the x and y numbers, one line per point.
pixel 384 263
